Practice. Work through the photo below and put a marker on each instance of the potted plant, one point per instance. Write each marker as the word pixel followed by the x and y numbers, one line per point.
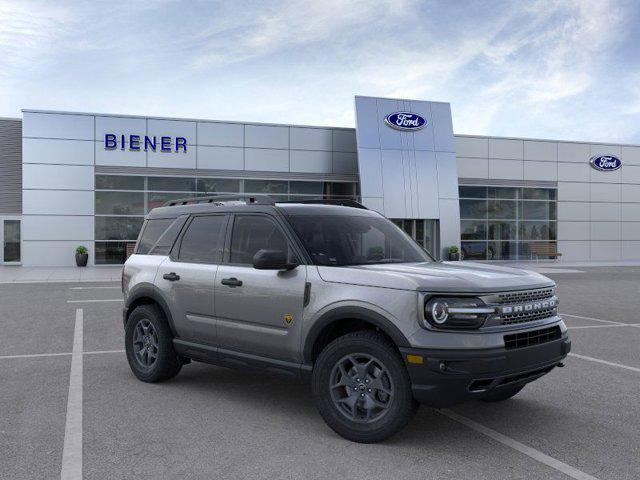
pixel 454 253
pixel 82 255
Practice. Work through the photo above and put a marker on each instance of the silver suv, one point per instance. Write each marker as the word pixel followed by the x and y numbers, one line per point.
pixel 336 295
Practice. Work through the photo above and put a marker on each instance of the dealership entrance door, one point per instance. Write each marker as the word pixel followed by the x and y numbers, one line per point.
pixel 10 236
pixel 425 232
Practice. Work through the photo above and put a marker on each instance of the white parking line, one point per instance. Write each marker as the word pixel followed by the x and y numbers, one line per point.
pixel 605 362
pixel 96 301
pixel 92 288
pixel 520 447
pixel 34 355
pixel 100 352
pixel 600 326
pixel 72 450
pixel 594 319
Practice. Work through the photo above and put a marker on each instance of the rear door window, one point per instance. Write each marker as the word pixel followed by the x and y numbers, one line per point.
pixel 203 240
pixel 153 229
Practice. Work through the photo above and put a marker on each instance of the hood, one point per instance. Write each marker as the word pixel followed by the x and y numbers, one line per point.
pixel 437 277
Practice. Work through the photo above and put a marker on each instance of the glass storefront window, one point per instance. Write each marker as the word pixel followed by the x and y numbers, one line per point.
pixel 503 225
pixel 218 185
pixel 119 182
pixel 265 186
pixel 171 184
pixel 119 203
pixel 306 188
pixel 117 228
pixel 157 199
pixel 110 253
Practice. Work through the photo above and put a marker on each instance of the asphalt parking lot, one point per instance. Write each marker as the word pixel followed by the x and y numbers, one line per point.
pixel 69 404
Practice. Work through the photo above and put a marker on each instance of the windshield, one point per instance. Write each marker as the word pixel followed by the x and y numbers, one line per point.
pixel 340 240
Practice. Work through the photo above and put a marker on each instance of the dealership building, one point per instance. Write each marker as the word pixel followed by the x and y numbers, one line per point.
pixel 70 179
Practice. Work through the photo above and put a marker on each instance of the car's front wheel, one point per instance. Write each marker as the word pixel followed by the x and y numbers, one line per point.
pixel 149 345
pixel 362 388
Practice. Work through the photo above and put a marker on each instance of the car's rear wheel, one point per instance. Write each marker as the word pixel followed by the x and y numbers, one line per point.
pixel 149 345
pixel 361 387
pixel 502 394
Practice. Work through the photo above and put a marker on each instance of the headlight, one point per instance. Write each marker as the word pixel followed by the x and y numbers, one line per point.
pixel 455 312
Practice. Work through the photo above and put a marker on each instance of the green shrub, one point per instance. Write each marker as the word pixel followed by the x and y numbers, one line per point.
pixel 81 249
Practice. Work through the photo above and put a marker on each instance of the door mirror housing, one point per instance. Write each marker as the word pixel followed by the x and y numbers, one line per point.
pixel 272 260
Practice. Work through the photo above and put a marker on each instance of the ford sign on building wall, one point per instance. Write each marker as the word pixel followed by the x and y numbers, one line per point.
pixel 605 163
pixel 405 121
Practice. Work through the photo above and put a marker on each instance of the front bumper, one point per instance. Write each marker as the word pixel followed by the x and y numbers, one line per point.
pixel 449 376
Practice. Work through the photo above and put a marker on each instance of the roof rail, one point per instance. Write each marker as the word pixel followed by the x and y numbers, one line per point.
pixel 221 199
pixel 340 202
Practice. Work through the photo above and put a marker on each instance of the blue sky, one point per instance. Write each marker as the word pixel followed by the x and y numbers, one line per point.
pixel 547 69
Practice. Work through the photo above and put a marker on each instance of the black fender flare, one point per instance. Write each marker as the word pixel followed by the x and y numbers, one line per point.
pixel 351 312
pixel 147 290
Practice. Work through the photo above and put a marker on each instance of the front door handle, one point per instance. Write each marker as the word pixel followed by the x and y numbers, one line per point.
pixel 172 277
pixel 231 282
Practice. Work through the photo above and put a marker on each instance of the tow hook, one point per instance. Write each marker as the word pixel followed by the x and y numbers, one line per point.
pixel 560 365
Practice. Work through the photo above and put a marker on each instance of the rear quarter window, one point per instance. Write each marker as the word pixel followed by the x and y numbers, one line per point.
pixel 155 235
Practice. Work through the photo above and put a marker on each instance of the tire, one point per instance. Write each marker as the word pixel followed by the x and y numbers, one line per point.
pixel 166 364
pixel 502 394
pixel 388 408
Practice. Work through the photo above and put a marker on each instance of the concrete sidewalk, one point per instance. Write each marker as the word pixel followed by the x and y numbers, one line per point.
pixel 19 274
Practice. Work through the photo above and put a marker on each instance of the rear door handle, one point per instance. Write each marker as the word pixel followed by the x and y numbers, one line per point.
pixel 231 282
pixel 172 277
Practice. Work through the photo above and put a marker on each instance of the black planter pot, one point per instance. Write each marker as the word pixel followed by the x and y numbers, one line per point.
pixel 454 257
pixel 81 259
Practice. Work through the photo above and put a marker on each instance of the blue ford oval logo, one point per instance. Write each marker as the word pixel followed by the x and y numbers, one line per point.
pixel 405 121
pixel 605 163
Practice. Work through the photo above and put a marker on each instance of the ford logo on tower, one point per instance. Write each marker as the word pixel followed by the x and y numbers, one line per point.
pixel 605 163
pixel 405 121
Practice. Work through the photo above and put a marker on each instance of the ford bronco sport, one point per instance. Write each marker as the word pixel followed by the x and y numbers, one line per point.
pixel 337 295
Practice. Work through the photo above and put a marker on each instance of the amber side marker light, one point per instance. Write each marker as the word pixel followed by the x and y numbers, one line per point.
pixel 417 359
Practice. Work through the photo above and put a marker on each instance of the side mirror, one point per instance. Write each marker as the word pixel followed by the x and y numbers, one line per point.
pixel 272 260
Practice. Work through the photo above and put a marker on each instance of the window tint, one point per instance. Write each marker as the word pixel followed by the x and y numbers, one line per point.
pixel 168 238
pixel 252 233
pixel 203 240
pixel 153 229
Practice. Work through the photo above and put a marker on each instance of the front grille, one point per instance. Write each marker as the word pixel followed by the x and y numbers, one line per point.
pixel 533 337
pixel 525 295
pixel 522 317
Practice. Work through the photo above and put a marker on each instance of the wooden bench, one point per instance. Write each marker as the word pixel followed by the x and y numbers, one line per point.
pixel 544 250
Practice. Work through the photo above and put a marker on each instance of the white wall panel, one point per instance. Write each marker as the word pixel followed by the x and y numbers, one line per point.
pixel 172 128
pixel 575 211
pixel 310 161
pixel 574 172
pixel 574 152
pixel 120 126
pixel 374 203
pixel 220 158
pixel 220 134
pixel 576 192
pixel 630 174
pixel 605 250
pixel 506 169
pixel 57 202
pixel 630 231
pixel 449 223
pixel 266 136
pixel 472 147
pixel 547 171
pixel 266 160
pixel 427 173
pixel 63 177
pixel 630 212
pixel 70 152
pixel 344 162
pixel 605 230
pixel 473 167
pixel 442 127
pixel 173 159
pixel 371 182
pixel 344 141
pixel 390 138
pixel 506 149
pixel 630 193
pixel 630 155
pixel 574 250
pixel 120 158
pixel 605 192
pixel 424 139
pixel 605 150
pixel 311 138
pixel 544 151
pixel 55 125
pixel 597 176
pixel 573 231
pixel 54 227
pixel 447 175
pixel 52 253
pixel 605 212
pixel 630 250
pixel 395 199
pixel 367 121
